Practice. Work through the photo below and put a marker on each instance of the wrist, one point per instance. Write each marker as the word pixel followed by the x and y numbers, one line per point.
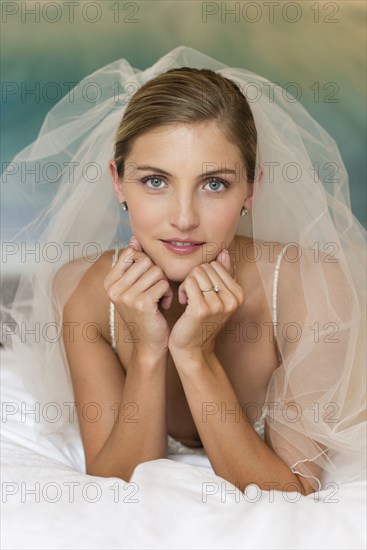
pixel 192 358
pixel 148 358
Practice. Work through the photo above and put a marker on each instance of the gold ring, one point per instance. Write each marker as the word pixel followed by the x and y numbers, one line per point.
pixel 215 288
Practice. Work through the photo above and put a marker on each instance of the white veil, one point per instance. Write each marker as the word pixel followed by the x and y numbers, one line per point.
pixel 58 199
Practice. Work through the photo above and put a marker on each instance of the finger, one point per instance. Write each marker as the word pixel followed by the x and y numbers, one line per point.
pixel 203 280
pixel 136 270
pixel 225 259
pixel 139 282
pixel 133 252
pixel 192 292
pixel 230 284
pixel 127 258
pixel 166 299
pixel 135 243
pixel 132 246
pixel 216 279
pixel 132 268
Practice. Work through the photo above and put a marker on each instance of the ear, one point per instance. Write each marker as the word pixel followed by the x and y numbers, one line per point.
pixel 117 183
pixel 250 196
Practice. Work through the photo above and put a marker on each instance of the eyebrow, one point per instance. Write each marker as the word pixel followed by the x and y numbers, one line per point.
pixel 211 172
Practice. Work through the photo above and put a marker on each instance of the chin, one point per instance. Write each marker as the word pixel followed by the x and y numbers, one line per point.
pixel 175 275
pixel 175 269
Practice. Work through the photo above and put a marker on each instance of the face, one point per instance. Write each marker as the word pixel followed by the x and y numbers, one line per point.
pixel 179 197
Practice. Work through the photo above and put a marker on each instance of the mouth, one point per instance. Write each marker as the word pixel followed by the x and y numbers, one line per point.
pixel 182 246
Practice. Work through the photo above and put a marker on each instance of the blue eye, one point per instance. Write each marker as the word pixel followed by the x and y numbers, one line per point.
pixel 220 181
pixel 156 178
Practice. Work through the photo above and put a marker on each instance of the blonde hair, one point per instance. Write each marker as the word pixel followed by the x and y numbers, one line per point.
pixel 188 95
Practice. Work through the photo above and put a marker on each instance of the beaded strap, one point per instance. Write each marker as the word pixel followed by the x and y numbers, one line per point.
pixel 112 307
pixel 274 296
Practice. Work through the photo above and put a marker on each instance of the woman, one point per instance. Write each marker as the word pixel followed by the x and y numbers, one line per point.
pixel 207 343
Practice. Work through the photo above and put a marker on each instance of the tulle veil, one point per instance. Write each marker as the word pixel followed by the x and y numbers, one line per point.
pixel 60 213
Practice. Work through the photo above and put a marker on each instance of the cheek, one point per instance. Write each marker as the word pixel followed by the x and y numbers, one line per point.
pixel 145 226
pixel 223 218
pixel 143 219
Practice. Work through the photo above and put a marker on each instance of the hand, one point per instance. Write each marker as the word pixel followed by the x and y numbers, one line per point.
pixel 135 285
pixel 196 330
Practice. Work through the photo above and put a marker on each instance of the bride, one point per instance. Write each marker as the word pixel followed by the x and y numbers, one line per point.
pixel 232 323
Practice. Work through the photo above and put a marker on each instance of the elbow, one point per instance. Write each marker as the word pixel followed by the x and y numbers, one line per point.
pixel 102 470
pixel 95 472
pixel 305 487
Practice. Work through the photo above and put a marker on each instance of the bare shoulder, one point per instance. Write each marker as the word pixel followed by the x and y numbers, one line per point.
pixel 88 297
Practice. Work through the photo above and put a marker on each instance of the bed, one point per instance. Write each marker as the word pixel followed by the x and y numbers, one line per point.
pixel 48 501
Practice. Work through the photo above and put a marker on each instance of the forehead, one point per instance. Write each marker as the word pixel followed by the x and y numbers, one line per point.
pixel 204 138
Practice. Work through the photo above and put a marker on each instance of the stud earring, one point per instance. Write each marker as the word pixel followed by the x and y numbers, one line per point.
pixel 244 211
pixel 124 205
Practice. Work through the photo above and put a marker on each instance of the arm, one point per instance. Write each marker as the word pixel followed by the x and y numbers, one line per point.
pixel 235 450
pixel 131 425
pixel 139 433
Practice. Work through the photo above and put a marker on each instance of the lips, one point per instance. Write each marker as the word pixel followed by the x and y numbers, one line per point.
pixel 185 247
pixel 188 241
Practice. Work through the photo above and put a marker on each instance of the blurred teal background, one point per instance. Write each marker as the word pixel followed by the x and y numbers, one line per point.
pixel 319 45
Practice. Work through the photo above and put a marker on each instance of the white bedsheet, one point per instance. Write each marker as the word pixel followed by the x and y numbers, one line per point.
pixel 48 502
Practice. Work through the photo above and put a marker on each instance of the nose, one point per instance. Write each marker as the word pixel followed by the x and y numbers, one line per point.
pixel 184 213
